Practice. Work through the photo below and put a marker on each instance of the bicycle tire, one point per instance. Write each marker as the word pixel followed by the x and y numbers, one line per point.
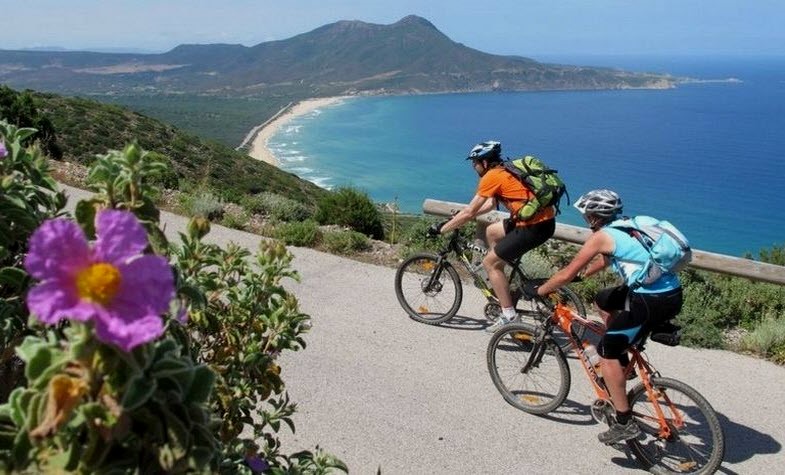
pixel 433 306
pixel 677 455
pixel 545 386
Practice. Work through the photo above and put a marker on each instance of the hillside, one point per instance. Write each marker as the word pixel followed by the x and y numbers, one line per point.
pixel 86 128
pixel 346 57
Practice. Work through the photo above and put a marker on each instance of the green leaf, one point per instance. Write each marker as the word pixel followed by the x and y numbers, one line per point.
pixel 42 360
pixel 21 449
pixel 12 278
pixel 139 392
pixel 85 216
pixel 201 386
pixel 178 435
pixel 24 133
pixel 165 348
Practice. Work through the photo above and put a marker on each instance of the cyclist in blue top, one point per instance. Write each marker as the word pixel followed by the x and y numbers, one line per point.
pixel 628 311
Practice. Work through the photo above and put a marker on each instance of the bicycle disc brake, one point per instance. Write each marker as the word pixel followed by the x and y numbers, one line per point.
pixel 430 288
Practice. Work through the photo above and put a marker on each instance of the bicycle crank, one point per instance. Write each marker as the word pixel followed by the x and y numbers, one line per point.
pixel 492 311
pixel 602 411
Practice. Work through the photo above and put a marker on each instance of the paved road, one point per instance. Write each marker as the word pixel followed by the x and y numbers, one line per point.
pixel 384 392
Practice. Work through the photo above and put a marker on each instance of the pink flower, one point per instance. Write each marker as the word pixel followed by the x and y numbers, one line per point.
pixel 109 283
pixel 3 150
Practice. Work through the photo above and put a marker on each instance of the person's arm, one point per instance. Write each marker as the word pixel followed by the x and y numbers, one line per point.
pixel 598 243
pixel 474 208
pixel 490 205
pixel 596 265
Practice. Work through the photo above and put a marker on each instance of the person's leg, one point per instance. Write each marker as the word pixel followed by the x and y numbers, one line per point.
pixel 623 328
pixel 494 266
pixel 494 233
pixel 509 243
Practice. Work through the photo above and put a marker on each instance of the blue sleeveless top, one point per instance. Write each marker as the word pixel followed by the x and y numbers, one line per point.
pixel 629 255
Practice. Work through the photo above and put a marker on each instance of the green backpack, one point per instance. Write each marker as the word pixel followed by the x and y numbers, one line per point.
pixel 542 181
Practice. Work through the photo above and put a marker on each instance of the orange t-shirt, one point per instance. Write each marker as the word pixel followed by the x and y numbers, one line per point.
pixel 500 184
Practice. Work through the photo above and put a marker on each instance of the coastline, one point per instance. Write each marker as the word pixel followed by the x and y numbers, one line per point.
pixel 259 149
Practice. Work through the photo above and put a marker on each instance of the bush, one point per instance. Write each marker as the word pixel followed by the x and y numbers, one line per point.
pixel 278 207
pixel 767 339
pixel 235 220
pixel 345 242
pixel 303 234
pixel 182 377
pixel 353 208
pixel 203 204
pixel 28 197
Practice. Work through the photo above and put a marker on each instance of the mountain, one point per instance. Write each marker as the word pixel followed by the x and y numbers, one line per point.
pixel 346 57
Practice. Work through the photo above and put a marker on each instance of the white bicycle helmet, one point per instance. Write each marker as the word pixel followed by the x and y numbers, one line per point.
pixel 602 203
pixel 489 150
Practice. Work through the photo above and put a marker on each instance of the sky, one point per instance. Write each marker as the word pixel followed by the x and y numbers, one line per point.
pixel 518 27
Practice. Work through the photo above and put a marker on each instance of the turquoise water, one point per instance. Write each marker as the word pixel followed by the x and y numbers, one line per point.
pixel 710 157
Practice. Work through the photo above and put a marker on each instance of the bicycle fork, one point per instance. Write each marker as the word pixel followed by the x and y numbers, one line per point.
pixel 535 357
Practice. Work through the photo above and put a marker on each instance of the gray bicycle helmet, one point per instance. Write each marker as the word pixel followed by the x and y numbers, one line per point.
pixel 602 203
pixel 489 150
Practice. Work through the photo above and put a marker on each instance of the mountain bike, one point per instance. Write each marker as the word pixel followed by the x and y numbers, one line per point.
pixel 681 432
pixel 429 287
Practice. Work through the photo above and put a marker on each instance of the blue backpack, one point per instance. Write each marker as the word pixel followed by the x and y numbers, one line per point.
pixel 669 251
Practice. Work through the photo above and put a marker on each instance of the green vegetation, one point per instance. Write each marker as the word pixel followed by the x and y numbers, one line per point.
pixel 204 204
pixel 302 233
pixel 277 207
pixel 19 109
pixel 225 119
pixel 345 242
pixel 206 396
pixel 86 128
pixel 351 207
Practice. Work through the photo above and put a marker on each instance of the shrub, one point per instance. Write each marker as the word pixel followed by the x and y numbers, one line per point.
pixel 204 204
pixel 350 207
pixel 345 242
pixel 767 339
pixel 303 234
pixel 110 393
pixel 278 207
pixel 235 219
pixel 28 196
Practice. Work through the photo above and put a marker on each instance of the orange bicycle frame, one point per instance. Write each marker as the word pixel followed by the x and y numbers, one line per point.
pixel 565 318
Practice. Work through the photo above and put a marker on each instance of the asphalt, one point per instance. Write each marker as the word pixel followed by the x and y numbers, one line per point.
pixel 383 392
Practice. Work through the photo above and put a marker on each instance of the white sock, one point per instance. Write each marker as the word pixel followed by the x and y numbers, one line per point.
pixel 509 313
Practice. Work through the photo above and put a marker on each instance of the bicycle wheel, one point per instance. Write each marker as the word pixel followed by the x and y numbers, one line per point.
pixel 532 376
pixel 696 443
pixel 430 293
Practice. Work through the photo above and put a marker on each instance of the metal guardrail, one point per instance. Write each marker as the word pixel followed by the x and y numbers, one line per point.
pixel 759 271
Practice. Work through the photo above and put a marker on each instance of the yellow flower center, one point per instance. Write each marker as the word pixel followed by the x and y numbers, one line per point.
pixel 98 283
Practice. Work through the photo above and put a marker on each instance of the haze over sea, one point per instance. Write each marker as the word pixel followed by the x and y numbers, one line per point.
pixel 708 156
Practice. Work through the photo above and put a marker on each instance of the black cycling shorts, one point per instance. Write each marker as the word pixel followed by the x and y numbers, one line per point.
pixel 629 323
pixel 517 241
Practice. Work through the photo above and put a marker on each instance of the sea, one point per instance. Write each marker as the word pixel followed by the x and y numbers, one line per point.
pixel 708 155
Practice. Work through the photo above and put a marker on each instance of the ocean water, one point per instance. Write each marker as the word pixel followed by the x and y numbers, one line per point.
pixel 708 156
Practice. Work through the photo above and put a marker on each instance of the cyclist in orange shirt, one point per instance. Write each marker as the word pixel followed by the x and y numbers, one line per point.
pixel 509 239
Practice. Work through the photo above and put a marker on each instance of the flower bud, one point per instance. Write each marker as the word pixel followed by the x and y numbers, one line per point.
pixel 198 227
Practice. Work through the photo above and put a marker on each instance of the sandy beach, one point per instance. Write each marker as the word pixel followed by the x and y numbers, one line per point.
pixel 259 150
